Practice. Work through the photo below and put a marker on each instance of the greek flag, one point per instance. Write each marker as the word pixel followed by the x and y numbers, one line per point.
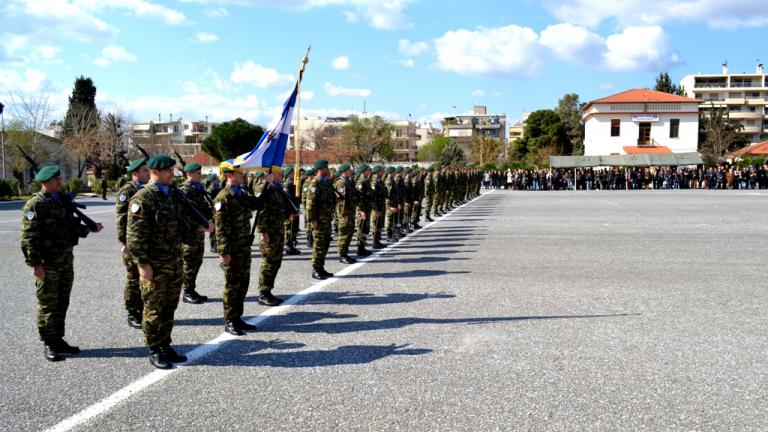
pixel 269 152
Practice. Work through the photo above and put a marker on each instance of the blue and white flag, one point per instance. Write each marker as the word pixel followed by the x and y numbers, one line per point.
pixel 269 152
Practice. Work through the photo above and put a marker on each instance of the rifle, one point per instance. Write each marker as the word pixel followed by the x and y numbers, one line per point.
pixel 68 200
pixel 184 163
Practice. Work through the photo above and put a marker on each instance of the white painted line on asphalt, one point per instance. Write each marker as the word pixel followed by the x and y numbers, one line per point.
pixel 86 213
pixel 105 405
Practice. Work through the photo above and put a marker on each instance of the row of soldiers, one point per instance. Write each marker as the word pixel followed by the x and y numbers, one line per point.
pixel 161 229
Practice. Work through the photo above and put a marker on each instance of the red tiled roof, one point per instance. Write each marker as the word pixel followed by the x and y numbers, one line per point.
pixel 647 150
pixel 754 149
pixel 642 96
pixel 203 159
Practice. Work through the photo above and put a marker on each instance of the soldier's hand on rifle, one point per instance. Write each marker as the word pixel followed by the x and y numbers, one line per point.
pixel 208 229
pixel 125 251
pixel 264 239
pixel 393 209
pixel 145 272
pixel 99 227
pixel 363 215
pixel 39 272
pixel 224 259
pixel 313 224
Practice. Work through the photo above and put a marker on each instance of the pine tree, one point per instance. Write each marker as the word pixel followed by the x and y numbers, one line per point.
pixel 82 114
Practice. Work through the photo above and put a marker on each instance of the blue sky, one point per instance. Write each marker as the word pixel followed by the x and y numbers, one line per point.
pixel 238 58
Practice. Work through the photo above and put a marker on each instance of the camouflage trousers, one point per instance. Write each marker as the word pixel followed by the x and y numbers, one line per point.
pixel 322 241
pixel 131 291
pixel 416 213
pixel 53 293
pixel 271 259
pixel 428 207
pixel 160 297
pixel 389 222
pixel 438 204
pixel 192 257
pixel 346 231
pixel 376 225
pixel 362 228
pixel 237 275
pixel 291 229
pixel 212 240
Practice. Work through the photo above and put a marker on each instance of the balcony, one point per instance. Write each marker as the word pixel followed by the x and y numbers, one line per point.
pixel 709 85
pixel 736 115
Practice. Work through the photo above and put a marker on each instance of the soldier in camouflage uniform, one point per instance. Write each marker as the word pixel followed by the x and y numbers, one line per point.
pixel 346 207
pixel 139 173
pixel 291 224
pixel 156 228
pixel 321 201
pixel 407 199
pixel 391 204
pixel 193 249
pixel 49 231
pixel 399 224
pixel 379 206
pixel 429 192
pixel 417 183
pixel 437 209
pixel 308 176
pixel 212 187
pixel 232 215
pixel 365 207
pixel 270 223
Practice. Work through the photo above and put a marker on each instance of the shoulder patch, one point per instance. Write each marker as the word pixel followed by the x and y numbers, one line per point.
pixel 135 207
pixel 30 214
pixel 313 190
pixel 217 205
pixel 341 190
pixel 122 197
pixel 360 187
pixel 258 194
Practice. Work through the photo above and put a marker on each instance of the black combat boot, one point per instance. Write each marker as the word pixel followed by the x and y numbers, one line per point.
pixel 362 251
pixel 232 328
pixel 51 353
pixel 318 274
pixel 346 259
pixel 172 355
pixel 192 297
pixel 159 359
pixel 325 273
pixel 416 226
pixel 244 326
pixel 291 250
pixel 378 245
pixel 309 240
pixel 134 319
pixel 64 348
pixel 267 299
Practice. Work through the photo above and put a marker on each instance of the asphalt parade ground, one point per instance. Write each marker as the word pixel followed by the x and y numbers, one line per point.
pixel 518 311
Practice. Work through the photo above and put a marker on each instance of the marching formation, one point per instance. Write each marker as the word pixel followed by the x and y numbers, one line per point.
pixel 161 229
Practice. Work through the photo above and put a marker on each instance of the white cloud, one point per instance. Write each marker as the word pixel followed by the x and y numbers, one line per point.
pixel 258 75
pixel 340 63
pixel 478 93
pixel 606 86
pixel 409 63
pixel 217 12
pixel 306 96
pixel 509 50
pixel 572 43
pixel 114 53
pixel 333 90
pixel 645 48
pixel 205 37
pixel 412 49
pixel 351 16
pixel 716 13
pixel 31 81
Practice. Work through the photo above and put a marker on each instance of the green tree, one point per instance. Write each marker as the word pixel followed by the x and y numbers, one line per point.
pixel 231 139
pixel 82 113
pixel 453 155
pixel 485 149
pixel 718 133
pixel 431 151
pixel 664 84
pixel 569 108
pixel 366 139
pixel 545 136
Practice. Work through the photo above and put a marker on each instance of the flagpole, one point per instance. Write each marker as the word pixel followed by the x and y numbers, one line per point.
pixel 297 132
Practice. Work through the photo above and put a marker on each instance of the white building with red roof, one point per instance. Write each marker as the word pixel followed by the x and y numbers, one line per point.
pixel 641 121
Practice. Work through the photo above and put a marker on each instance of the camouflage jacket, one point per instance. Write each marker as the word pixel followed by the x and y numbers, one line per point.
pixel 48 229
pixel 429 185
pixel 347 196
pixel 121 207
pixel 367 194
pixel 196 193
pixel 321 200
pixel 275 211
pixel 156 226
pixel 407 189
pixel 392 194
pixel 400 189
pixel 232 217
pixel 379 194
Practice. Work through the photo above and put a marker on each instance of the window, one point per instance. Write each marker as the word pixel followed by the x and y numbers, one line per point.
pixel 615 127
pixel 674 128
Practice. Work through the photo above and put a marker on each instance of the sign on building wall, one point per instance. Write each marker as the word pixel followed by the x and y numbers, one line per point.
pixel 645 117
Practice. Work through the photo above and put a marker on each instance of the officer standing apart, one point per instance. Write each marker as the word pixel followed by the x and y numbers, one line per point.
pixel 139 173
pixel 321 200
pixel 232 214
pixel 271 225
pixel 193 249
pixel 49 231
pixel 156 228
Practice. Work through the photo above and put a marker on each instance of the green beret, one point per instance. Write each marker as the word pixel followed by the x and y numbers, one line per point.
pixel 192 167
pixel 138 163
pixel 211 178
pixel 161 162
pixel 390 169
pixel 399 169
pixel 362 168
pixel 47 173
pixel 288 170
pixel 431 169
pixel 260 174
pixel 310 172
pixel 407 170
pixel 321 163
pixel 343 167
pixel 376 168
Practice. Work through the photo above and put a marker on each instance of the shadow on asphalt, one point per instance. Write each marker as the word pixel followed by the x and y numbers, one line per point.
pixel 126 352
pixel 401 275
pixel 359 298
